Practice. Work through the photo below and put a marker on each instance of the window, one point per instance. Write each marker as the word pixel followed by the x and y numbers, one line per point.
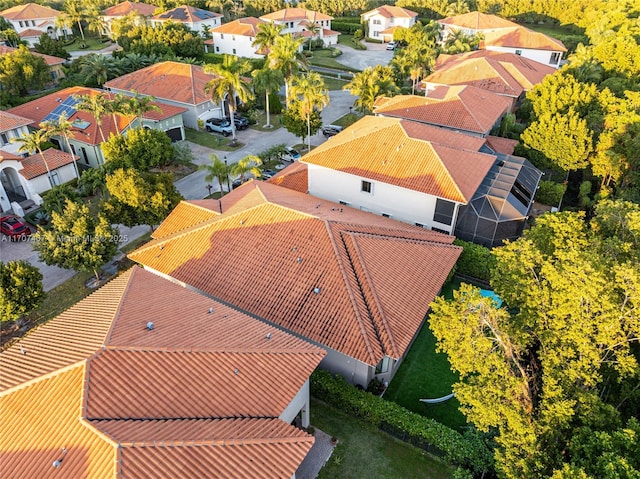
pixel 377 22
pixel 222 36
pixel 386 215
pixel 444 212
pixel 420 225
pixel 84 155
pixel 344 203
pixel 3 139
pixel 233 38
pixel 20 23
pixel 383 365
pixel 366 186
pixel 54 179
pixel 555 58
pixel 521 193
pixel 376 33
pixel 438 230
pixel 217 49
pixel 234 51
pixel 518 52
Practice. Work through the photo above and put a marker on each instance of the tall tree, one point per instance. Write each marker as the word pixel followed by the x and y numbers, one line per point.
pixel 96 69
pixel 78 240
pixel 228 83
pixel 21 71
pixel 286 57
pixel 140 149
pixel 20 289
pixel 248 164
pixel 313 28
pixel 266 36
pixel 75 11
pixel 138 105
pixel 371 83
pixel 33 143
pixel 62 127
pixel 310 94
pixel 97 104
pixel 217 169
pixel 268 81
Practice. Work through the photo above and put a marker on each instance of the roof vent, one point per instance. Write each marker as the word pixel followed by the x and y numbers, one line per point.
pixel 150 325
pixel 58 462
pixel 210 310
pixel 268 335
pixel 299 260
pixel 236 371
pixel 318 205
pixel 23 351
pixel 316 290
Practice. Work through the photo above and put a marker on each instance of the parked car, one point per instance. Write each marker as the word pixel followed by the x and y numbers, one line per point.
pixel 14 227
pixel 391 46
pixel 235 183
pixel 290 154
pixel 266 174
pixel 218 125
pixel 241 122
pixel 331 130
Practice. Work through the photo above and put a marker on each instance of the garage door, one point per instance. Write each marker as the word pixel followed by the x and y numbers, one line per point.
pixel 175 134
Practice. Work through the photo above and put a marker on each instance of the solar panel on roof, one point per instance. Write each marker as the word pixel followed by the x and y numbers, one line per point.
pixel 67 107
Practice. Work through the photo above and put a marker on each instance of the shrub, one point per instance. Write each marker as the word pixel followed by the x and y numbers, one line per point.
pixel 469 452
pixel 275 105
pixel 345 27
pixel 372 40
pixel 550 192
pixel 475 261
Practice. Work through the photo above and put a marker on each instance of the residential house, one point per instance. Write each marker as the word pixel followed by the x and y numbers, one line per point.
pixel 31 20
pixel 317 269
pixel 505 74
pixel 24 176
pixel 196 19
pixel 175 84
pixel 138 12
pixel 466 109
pixel 503 35
pixel 297 21
pixel 87 134
pixel 54 63
pixel 146 378
pixel 237 37
pixel 381 22
pixel 427 176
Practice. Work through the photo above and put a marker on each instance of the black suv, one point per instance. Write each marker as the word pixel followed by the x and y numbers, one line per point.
pixel 241 122
pixel 331 130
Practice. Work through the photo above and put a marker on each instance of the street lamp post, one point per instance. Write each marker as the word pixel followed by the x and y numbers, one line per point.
pixel 227 173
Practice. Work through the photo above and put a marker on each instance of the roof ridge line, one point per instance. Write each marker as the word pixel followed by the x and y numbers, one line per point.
pixel 185 350
pixel 455 183
pixel 217 442
pixel 116 313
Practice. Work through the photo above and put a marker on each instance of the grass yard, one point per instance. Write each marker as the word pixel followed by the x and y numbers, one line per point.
pixel 427 374
pixel 91 42
pixel 363 451
pixel 261 120
pixel 211 140
pixel 348 119
pixel 323 58
pixel 333 83
pixel 348 40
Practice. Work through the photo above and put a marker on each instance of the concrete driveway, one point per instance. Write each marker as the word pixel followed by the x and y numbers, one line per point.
pixel 375 54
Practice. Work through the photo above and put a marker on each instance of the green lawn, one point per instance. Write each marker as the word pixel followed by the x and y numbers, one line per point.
pixel 262 120
pixel 211 140
pixel 427 374
pixel 323 58
pixel 91 42
pixel 347 119
pixel 365 452
pixel 348 40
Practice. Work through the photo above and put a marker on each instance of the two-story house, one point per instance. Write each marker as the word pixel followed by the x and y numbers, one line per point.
pixel 138 12
pixel 31 20
pixel 196 19
pixel 502 35
pixel 237 37
pixel 381 22
pixel 300 22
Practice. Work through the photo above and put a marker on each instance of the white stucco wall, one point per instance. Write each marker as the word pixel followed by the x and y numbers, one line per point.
pixel 239 45
pixel 354 371
pixel 384 23
pixel 298 403
pixel 400 203
pixel 540 56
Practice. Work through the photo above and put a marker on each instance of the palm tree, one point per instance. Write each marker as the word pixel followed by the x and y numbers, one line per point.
pixel 217 169
pixel 97 105
pixel 33 142
pixel 96 21
pixel 228 82
pixel 457 8
pixel 266 35
pixel 75 13
pixel 269 81
pixel 117 105
pixel 314 28
pixel 97 69
pixel 248 164
pixel 370 84
pixel 138 105
pixel 415 73
pixel 62 127
pixel 63 22
pixel 310 94
pixel 286 57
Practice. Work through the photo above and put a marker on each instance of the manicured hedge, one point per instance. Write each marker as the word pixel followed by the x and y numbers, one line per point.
pixel 550 192
pixel 421 431
pixel 344 27
pixel 475 261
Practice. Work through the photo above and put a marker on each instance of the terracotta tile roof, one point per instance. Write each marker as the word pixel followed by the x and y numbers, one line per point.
pixel 5 155
pixel 9 121
pixel 34 166
pixel 50 60
pixel 80 379
pixel 247 26
pixel 505 146
pixel 520 37
pixel 185 215
pixel 29 11
pixel 187 14
pixel 290 14
pixel 124 8
pixel 459 107
pixel 294 177
pixel 391 11
pixel 38 109
pixel 502 73
pixel 41 418
pixel 29 33
pixel 208 448
pixel 166 111
pixel 477 21
pixel 405 154
pixel 329 272
pixel 174 81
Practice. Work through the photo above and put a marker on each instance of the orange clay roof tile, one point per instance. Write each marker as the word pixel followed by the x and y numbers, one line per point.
pixel 498 144
pixel 293 177
pixel 477 21
pixel 29 11
pixel 318 279
pixel 290 14
pixel 168 80
pixel 34 166
pixel 391 11
pixel 247 26
pixel 406 154
pixel 187 14
pixel 461 107
pixel 123 8
pixel 520 37
pixel 9 121
pixel 186 214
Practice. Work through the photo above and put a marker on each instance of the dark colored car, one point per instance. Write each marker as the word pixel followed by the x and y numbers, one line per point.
pixel 218 125
pixel 14 227
pixel 331 130
pixel 241 122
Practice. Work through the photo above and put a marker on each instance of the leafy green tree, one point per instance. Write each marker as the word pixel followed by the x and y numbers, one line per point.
pixel 229 83
pixel 75 11
pixel 20 289
pixel 56 198
pixel 371 83
pixel 77 240
pixel 268 81
pixel 8 34
pixel 285 56
pixel 310 95
pixel 561 363
pixel 93 181
pixel 217 169
pixel 140 149
pixel 246 165
pixel 138 198
pixel 21 71
pixel 257 8
pixel 296 122
pixel 266 35
pixel 169 38
pixel 49 46
pixel 96 69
